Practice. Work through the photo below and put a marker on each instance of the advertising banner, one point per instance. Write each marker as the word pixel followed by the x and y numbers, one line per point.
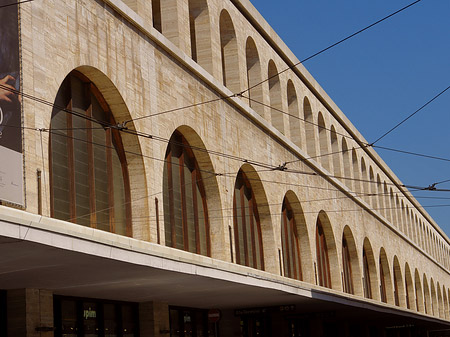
pixel 11 156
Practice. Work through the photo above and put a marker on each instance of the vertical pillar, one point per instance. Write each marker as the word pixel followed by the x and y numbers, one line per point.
pixel 154 319
pixel 30 313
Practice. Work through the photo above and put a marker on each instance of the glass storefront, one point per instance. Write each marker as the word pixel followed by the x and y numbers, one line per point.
pixel 76 317
pixel 188 322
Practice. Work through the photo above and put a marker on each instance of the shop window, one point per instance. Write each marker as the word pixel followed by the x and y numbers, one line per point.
pixel 347 268
pixel 188 322
pixel 290 243
pixel 323 264
pixel 185 211
pixel 92 318
pixel 366 273
pixel 247 229
pixel 88 169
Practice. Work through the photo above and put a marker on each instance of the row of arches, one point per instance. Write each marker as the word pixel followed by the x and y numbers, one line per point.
pixel 306 128
pixel 94 162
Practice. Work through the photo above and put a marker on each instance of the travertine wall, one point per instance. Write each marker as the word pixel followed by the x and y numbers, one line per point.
pixel 141 72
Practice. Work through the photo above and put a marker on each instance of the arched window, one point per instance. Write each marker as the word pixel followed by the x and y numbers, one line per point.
pixel 335 150
pixel 186 223
pixel 347 266
pixel 383 294
pixel 88 168
pixel 309 128
pixel 156 14
pixel 290 243
pixel 323 264
pixel 367 284
pixel 294 122
pixel 247 228
pixel 323 142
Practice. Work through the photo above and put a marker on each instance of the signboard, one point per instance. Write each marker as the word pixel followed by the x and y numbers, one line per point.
pixel 11 156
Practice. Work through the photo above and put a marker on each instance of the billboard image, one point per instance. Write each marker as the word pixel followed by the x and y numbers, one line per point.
pixel 11 161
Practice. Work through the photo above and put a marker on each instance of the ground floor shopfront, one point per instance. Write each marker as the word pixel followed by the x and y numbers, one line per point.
pixel 57 279
pixel 30 312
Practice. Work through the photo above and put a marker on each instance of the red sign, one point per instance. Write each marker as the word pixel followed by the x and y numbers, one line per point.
pixel 213 315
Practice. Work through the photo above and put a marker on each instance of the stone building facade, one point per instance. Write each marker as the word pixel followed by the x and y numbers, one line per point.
pixel 178 169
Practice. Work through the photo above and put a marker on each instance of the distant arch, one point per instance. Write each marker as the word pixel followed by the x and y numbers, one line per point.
pixel 356 179
pixel 418 292
pixel 229 52
pixel 294 116
pixel 370 280
pixel 275 97
pixel 309 128
pixel 427 297
pixel 255 92
pixel 350 264
pixel 386 293
pixel 410 291
pixel 323 142
pixel 399 289
pixel 328 273
pixel 200 33
pixel 335 150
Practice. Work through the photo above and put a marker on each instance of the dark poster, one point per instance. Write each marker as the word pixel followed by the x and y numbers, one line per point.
pixel 11 161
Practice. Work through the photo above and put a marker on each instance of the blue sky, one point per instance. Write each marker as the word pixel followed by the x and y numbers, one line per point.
pixel 381 76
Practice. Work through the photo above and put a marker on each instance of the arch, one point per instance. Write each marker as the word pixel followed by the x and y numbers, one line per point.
pixel 418 292
pixel 381 209
pixel 399 290
pixel 275 97
pixel 394 219
pixel 247 225
pixel 370 279
pixel 323 141
pixel 409 289
pixel 440 302
pixel 355 165
pixel 346 175
pixel 255 92
pixel 89 164
pixel 326 254
pixel 200 33
pixel 250 183
pixel 386 289
pixel 404 218
pixel 294 118
pixel 309 128
pixel 399 213
pixel 335 150
pixel 387 202
pixel 445 307
pixel 156 15
pixel 434 300
pixel 229 52
pixel 186 220
pixel 364 182
pixel 351 274
pixel 426 297
pixel 373 188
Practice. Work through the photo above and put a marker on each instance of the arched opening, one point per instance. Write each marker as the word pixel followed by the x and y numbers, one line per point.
pixel 186 222
pixel 156 15
pixel 200 33
pixel 409 289
pixel 346 174
pixel 247 225
pixel 89 180
pixel 323 142
pixel 370 279
pixel 418 292
pixel 327 263
pixel 387 204
pixel 394 220
pixel 440 301
pixel 427 297
pixel 300 235
pixel 399 290
pixel 275 97
pixel 309 128
pixel 386 293
pixel 364 181
pixel 356 180
pixel 294 121
pixel 290 243
pixel 445 308
pixel 351 273
pixel 229 53
pixel 434 300
pixel 335 155
pixel 254 93
pixel 381 209
pixel 373 189
pixel 399 213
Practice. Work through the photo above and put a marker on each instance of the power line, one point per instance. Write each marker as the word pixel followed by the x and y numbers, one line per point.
pixel 333 45
pixel 404 120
